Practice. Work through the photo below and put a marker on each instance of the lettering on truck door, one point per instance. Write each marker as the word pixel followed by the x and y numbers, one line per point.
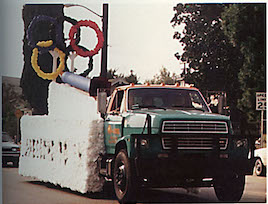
pixel 113 122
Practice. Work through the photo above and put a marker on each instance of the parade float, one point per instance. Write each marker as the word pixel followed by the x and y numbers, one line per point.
pixel 62 147
pixel 147 136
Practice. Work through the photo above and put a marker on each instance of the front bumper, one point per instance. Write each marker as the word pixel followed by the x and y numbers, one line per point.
pixel 176 171
pixel 10 156
pixel 159 167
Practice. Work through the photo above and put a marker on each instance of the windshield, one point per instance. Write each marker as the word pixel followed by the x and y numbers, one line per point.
pixel 6 137
pixel 166 98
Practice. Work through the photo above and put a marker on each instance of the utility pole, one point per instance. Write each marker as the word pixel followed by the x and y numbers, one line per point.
pixel 102 81
pixel 105 46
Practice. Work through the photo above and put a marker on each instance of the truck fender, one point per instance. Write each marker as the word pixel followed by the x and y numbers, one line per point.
pixel 121 144
pixel 105 164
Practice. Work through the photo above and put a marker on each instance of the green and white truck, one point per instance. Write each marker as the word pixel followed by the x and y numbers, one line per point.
pixel 167 136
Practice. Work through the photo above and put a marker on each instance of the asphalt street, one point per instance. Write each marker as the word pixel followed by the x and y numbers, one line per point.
pixel 24 190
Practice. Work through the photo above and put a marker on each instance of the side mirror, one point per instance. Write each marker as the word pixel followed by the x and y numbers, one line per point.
pixel 101 101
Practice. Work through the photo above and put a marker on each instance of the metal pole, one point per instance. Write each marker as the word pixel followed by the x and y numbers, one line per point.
pixel 262 139
pixel 105 46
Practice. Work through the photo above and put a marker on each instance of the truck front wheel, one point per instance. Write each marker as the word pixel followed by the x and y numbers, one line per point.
pixel 229 189
pixel 124 178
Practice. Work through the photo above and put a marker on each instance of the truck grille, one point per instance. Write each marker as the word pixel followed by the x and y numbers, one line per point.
pixel 194 127
pixel 193 143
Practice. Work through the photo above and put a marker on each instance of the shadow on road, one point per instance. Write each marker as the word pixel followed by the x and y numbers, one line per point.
pixel 107 194
pixel 174 196
pixel 144 196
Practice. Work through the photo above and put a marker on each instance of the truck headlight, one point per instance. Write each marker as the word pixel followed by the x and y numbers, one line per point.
pixel 144 143
pixel 241 143
pixel 15 149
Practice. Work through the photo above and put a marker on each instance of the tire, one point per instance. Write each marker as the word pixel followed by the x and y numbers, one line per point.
pixel 258 168
pixel 229 189
pixel 4 163
pixel 124 179
pixel 16 163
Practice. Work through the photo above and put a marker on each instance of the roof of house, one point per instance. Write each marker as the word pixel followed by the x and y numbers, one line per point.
pixel 118 82
pixel 13 81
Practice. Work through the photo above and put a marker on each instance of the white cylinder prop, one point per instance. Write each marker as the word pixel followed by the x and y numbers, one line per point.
pixel 77 81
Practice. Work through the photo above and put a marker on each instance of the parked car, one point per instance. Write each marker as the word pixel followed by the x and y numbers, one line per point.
pixel 261 162
pixel 10 150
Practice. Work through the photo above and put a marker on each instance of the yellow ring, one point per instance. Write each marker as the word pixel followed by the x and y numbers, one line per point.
pixel 45 43
pixel 37 69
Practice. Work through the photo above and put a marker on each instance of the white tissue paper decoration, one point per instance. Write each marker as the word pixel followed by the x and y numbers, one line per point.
pixel 63 147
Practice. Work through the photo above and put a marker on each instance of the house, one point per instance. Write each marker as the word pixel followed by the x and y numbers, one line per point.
pixel 117 82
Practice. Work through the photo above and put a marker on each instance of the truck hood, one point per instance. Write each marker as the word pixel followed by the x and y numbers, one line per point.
pixel 183 115
pixel 137 118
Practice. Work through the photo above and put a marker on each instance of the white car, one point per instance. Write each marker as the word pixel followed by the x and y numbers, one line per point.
pixel 10 151
pixel 261 162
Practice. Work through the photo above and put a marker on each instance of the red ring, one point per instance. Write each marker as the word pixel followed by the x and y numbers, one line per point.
pixel 80 51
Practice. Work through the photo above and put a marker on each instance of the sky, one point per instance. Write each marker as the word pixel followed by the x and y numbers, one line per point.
pixel 140 36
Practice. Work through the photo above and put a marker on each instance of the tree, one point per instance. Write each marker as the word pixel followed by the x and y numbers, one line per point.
pixel 163 77
pixel 244 24
pixel 132 78
pixel 213 62
pixel 111 74
pixel 11 101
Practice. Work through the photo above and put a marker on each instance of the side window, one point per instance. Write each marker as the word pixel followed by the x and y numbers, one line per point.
pixel 117 101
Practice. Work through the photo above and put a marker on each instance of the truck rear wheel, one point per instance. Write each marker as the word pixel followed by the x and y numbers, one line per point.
pixel 124 178
pixel 229 189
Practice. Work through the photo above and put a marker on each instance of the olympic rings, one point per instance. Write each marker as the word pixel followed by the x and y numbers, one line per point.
pixel 73 22
pixel 45 43
pixel 30 30
pixel 36 67
pixel 50 43
pixel 84 52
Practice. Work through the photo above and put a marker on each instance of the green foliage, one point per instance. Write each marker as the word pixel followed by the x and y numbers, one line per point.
pixel 163 77
pixel 244 24
pixel 111 74
pixel 225 49
pixel 213 61
pixel 11 101
pixel 131 78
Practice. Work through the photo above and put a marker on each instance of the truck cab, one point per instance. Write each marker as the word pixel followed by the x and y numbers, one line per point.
pixel 167 136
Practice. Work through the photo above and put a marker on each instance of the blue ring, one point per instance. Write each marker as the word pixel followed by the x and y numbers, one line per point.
pixel 34 22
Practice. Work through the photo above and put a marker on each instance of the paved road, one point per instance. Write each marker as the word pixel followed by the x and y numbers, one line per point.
pixel 25 190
